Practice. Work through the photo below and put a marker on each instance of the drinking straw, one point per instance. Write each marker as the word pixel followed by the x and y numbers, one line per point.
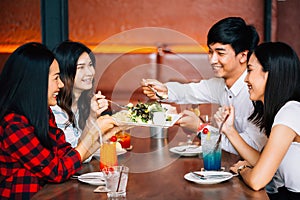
pixel 98 129
pixel 120 178
pixel 220 133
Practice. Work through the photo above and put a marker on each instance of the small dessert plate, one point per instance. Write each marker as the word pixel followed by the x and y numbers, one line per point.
pixel 208 177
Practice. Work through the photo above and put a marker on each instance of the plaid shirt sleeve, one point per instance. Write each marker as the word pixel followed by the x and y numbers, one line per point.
pixel 24 159
pixel 22 145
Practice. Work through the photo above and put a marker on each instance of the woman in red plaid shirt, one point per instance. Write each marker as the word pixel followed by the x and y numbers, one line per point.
pixel 33 151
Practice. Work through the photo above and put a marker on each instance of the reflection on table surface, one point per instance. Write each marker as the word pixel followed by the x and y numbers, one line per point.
pixel 156 173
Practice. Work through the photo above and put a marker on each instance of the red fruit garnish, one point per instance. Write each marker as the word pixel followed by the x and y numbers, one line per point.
pixel 205 131
pixel 113 138
pixel 202 126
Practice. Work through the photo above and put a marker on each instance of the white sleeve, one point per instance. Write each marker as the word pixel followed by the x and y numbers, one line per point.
pixel 288 116
pixel 205 91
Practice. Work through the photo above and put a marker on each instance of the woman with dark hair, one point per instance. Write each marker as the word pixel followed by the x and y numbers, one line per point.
pixel 77 105
pixel 273 81
pixel 33 151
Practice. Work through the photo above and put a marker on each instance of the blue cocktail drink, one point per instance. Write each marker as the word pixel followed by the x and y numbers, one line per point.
pixel 211 155
pixel 212 159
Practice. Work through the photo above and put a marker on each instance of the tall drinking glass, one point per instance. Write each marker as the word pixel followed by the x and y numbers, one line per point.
pixel 108 155
pixel 212 155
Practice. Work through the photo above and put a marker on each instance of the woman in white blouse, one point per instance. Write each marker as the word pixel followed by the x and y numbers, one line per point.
pixel 273 81
pixel 77 105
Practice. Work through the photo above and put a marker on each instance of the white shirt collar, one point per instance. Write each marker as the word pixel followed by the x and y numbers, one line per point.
pixel 238 85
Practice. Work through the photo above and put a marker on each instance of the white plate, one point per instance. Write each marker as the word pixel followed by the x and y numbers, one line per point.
pixel 119 152
pixel 187 150
pixel 167 124
pixel 93 178
pixel 209 180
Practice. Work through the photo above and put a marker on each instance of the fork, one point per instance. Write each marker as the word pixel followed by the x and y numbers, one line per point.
pixel 87 177
pixel 161 97
pixel 210 176
pixel 120 106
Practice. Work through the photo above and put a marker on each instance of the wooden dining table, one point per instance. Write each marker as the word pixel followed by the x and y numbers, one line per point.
pixel 157 173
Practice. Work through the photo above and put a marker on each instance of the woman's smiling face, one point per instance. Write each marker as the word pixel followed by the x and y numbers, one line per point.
pixel 54 83
pixel 256 79
pixel 84 74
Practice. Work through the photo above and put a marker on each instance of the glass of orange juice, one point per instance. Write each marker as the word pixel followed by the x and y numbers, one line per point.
pixel 124 139
pixel 108 155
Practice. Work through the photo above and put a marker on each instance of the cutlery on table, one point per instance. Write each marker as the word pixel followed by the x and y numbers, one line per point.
pixel 210 176
pixel 87 177
pixel 187 148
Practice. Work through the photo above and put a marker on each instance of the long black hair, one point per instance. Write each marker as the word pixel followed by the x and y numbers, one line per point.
pixel 283 67
pixel 67 54
pixel 235 32
pixel 24 87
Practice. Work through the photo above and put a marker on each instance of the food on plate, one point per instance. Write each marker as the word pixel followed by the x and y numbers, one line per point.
pixel 169 118
pixel 129 105
pixel 143 112
pixel 140 113
pixel 122 116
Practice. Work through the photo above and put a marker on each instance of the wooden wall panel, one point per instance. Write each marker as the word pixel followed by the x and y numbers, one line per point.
pixel 93 21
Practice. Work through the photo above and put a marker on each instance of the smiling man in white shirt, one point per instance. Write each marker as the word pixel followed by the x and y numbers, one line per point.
pixel 229 41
